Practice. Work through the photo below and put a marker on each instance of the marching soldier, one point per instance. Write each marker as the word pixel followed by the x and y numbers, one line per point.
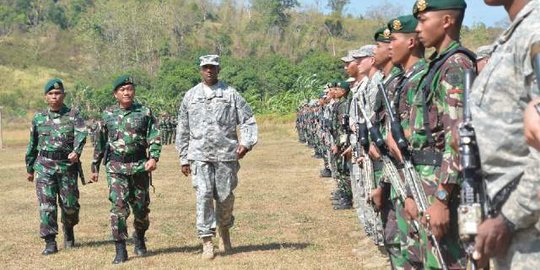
pixel 57 138
pixel 130 145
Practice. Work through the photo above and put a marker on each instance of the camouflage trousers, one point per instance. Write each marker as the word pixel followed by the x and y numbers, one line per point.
pixel 409 241
pixel 214 181
pixel 49 188
pixel 523 252
pixel 343 178
pixel 451 249
pixel 125 191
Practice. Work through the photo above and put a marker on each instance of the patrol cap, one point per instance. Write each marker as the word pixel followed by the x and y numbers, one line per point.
pixel 349 57
pixel 54 83
pixel 483 52
pixel 122 80
pixel 365 51
pixel 211 59
pixel 429 5
pixel 382 35
pixel 403 24
pixel 344 85
pixel 350 79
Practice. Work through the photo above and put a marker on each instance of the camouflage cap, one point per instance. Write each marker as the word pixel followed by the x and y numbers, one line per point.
pixel 122 80
pixel 54 83
pixel 403 24
pixel 365 51
pixel 211 59
pixel 382 35
pixel 349 57
pixel 483 52
pixel 429 5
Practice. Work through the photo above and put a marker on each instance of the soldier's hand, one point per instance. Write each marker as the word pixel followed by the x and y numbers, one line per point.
pixel 411 210
pixel 241 151
pixel 531 124
pixel 439 218
pixel 377 197
pixel 393 147
pixel 334 150
pixel 73 157
pixel 347 153
pixel 492 239
pixel 30 177
pixel 94 177
pixel 186 169
pixel 150 165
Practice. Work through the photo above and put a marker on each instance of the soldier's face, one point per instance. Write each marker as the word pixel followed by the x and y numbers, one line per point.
pixel 382 54
pixel 125 95
pixel 399 48
pixel 55 98
pixel 209 74
pixel 430 28
pixel 351 68
pixel 365 64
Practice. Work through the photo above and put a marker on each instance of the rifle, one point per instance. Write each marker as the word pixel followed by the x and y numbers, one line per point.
pixel 474 205
pixel 362 148
pixel 412 179
pixel 345 126
pixel 81 173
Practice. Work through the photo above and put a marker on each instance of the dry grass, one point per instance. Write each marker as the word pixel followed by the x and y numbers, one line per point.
pixel 283 215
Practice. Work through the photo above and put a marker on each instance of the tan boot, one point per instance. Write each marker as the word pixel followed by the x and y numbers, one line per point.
pixel 225 243
pixel 208 248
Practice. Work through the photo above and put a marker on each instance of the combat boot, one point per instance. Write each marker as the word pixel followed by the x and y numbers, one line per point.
pixel 50 245
pixel 326 172
pixel 225 243
pixel 69 237
pixel 208 248
pixel 139 242
pixel 343 204
pixel 121 252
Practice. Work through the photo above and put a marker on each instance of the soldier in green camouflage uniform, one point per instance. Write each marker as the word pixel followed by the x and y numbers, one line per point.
pixel 435 115
pixel 129 130
pixel 57 138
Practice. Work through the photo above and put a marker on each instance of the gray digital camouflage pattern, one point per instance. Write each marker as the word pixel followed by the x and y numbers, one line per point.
pixel 500 94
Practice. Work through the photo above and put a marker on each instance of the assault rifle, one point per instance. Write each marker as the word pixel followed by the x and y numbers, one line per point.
pixel 412 179
pixel 474 205
pixel 362 148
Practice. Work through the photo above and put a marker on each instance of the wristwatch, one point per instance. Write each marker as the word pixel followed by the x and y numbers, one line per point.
pixel 442 195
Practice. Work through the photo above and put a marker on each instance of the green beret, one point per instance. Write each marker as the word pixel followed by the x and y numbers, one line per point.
pixel 54 84
pixel 344 85
pixel 382 35
pixel 334 83
pixel 428 5
pixel 403 24
pixel 122 80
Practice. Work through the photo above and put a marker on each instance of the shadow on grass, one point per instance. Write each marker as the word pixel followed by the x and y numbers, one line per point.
pixel 95 243
pixel 269 246
pixel 178 249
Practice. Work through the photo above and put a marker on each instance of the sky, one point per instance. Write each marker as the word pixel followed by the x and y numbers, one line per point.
pixel 476 11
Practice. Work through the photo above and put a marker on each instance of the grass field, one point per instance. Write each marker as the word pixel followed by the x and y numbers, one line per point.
pixel 284 218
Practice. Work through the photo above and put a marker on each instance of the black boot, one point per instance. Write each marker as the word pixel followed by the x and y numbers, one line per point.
pixel 50 245
pixel 344 203
pixel 121 252
pixel 140 245
pixel 326 172
pixel 69 237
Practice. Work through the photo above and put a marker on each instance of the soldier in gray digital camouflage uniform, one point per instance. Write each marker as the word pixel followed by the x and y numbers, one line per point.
pixel 499 96
pixel 209 149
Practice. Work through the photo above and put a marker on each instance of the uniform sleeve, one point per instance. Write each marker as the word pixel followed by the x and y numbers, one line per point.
pixel 182 132
pixel 81 132
pixel 451 95
pixel 101 145
pixel 246 120
pixel 31 150
pixel 153 138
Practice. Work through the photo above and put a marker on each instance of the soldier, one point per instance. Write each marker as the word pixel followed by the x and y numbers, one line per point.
pixel 499 93
pixel 482 57
pixel 129 130
pixel 57 138
pixel 435 115
pixel 209 149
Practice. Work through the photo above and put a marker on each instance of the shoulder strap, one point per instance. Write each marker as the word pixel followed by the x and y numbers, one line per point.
pixel 428 78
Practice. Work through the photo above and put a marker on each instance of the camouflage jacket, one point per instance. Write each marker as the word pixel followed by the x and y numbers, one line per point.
pixel 499 96
pixel 63 131
pixel 207 122
pixel 407 92
pixel 444 105
pixel 125 133
pixel 340 132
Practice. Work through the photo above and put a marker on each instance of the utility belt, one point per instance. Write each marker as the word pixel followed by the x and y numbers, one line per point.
pixel 501 197
pixel 54 155
pixel 426 157
pixel 128 158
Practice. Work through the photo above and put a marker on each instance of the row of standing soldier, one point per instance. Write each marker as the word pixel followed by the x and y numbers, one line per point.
pixel 414 172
